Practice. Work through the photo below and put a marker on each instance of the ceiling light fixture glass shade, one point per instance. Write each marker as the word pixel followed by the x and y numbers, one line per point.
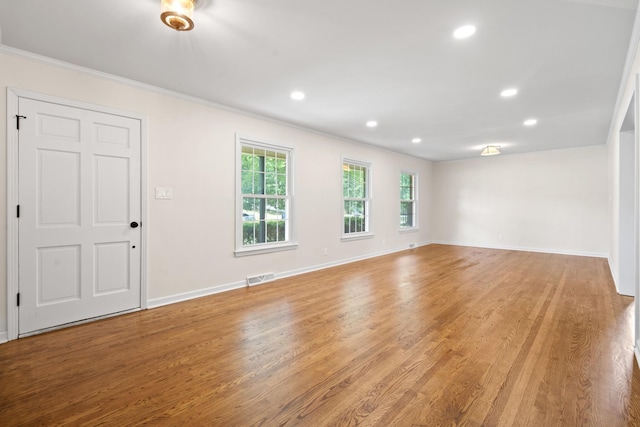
pixel 178 14
pixel 490 150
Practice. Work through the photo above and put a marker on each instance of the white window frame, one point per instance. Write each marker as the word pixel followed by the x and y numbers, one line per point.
pixel 261 248
pixel 368 233
pixel 414 200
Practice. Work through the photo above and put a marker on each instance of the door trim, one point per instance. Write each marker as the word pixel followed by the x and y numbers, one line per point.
pixel 13 95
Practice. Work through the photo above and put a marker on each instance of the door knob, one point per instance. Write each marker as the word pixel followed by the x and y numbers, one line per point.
pixel 134 224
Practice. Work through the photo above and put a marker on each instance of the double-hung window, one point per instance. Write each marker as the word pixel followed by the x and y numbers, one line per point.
pixel 408 201
pixel 264 205
pixel 356 187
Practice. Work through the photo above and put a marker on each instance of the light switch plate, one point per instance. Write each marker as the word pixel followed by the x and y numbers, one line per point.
pixel 164 193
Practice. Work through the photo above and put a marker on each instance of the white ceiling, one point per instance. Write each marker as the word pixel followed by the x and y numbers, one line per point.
pixel 392 61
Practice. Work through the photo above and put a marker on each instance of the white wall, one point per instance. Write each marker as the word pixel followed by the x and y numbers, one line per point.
pixel 191 148
pixel 622 153
pixel 626 204
pixel 625 96
pixel 549 201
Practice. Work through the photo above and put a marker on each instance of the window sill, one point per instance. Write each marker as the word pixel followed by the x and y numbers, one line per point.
pixel 265 249
pixel 409 230
pixel 356 236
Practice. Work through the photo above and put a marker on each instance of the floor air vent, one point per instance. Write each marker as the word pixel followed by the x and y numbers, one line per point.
pixel 261 278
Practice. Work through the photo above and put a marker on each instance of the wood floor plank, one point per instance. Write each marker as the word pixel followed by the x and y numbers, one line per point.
pixel 438 335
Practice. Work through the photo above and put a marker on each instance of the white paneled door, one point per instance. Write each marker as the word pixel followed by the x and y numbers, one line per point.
pixel 79 214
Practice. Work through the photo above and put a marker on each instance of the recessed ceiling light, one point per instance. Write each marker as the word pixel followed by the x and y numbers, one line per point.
pixel 509 92
pixel 297 95
pixel 530 122
pixel 416 140
pixel 372 123
pixel 464 32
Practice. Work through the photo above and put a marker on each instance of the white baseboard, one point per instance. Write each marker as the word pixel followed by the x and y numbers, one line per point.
pixel 4 337
pixel 186 296
pixel 613 275
pixel 615 280
pixel 304 270
pixel 637 351
pixel 524 249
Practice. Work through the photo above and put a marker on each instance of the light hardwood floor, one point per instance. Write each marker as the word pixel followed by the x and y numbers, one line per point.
pixel 435 336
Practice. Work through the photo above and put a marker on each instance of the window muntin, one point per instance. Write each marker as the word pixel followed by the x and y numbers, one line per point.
pixel 265 195
pixel 407 200
pixel 355 194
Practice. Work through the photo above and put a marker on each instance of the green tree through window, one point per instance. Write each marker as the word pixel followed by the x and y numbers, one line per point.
pixel 407 201
pixel 355 192
pixel 265 198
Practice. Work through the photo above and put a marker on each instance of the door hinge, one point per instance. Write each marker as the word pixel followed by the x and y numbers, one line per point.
pixel 18 211
pixel 18 117
pixel 18 299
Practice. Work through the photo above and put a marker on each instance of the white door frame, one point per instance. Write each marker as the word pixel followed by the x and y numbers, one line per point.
pixel 636 302
pixel 13 96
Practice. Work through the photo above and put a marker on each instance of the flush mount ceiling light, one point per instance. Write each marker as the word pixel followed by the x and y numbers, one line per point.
pixel 530 122
pixel 490 150
pixel 416 140
pixel 297 95
pixel 372 123
pixel 178 14
pixel 464 32
pixel 507 93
